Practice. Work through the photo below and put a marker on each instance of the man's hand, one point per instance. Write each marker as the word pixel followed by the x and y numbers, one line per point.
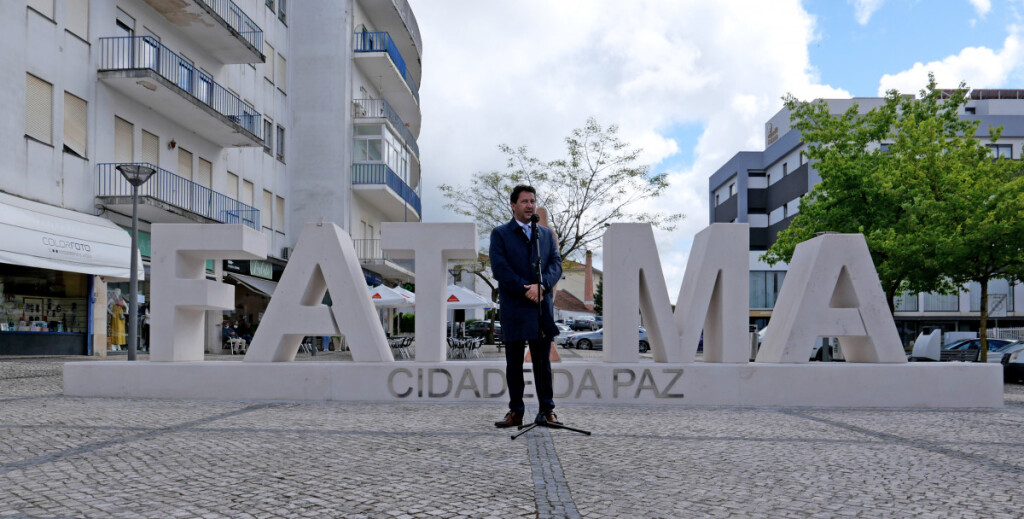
pixel 534 292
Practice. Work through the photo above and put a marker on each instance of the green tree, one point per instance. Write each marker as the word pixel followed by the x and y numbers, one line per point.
pixel 599 181
pixel 910 176
pixel 599 298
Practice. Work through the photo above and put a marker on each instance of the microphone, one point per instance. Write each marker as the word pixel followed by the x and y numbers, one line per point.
pixel 534 218
pixel 533 226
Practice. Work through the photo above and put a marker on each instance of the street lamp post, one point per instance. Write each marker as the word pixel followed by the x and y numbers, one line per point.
pixel 136 175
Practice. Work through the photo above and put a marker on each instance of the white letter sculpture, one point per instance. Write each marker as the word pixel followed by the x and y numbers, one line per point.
pixel 634 280
pixel 715 294
pixel 832 290
pixel 432 245
pixel 323 260
pixel 179 286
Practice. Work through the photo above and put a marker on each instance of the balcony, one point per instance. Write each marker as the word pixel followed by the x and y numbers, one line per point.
pixel 380 109
pixel 382 187
pixel 396 18
pixel 219 26
pixel 378 57
pixel 141 68
pixel 371 257
pixel 168 198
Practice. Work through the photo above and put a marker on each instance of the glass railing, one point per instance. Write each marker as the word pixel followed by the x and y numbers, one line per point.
pixel 381 174
pixel 380 41
pixel 179 192
pixel 379 108
pixel 145 52
pixel 239 21
pixel 369 250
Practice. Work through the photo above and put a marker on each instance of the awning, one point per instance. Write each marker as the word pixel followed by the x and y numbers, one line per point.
pixel 43 236
pixel 260 285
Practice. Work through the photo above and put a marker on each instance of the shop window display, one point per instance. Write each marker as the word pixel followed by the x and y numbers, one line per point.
pixel 37 301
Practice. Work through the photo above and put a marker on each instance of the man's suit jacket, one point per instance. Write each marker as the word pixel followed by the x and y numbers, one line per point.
pixel 512 261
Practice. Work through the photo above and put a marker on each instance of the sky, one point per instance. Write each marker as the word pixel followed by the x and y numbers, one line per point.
pixel 690 82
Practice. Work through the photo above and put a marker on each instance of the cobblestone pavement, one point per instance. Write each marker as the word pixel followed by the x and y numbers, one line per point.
pixel 100 457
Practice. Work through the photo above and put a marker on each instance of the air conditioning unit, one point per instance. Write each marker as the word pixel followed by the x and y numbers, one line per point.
pixel 286 252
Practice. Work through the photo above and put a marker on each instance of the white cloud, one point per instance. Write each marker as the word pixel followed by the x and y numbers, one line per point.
pixel 528 72
pixel 982 7
pixel 863 9
pixel 979 67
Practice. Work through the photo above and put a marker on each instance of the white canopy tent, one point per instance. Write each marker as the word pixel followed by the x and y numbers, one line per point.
pixel 384 297
pixel 459 298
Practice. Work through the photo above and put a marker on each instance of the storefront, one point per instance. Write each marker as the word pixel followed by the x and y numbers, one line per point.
pixel 53 263
pixel 255 281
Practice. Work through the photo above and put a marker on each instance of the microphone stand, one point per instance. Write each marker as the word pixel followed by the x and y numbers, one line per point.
pixel 538 276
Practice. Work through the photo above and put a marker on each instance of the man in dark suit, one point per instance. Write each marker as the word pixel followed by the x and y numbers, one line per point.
pixel 513 256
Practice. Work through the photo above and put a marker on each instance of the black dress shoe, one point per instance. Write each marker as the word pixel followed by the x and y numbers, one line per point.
pixel 547 417
pixel 512 419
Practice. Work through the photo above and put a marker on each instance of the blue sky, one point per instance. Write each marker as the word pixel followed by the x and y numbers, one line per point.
pixel 692 83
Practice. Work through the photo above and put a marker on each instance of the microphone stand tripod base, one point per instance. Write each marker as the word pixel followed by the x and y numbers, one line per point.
pixel 542 422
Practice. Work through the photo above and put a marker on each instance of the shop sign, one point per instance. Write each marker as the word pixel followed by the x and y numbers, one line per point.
pixel 261 269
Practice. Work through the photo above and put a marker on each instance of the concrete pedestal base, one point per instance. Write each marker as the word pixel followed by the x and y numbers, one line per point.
pixel 912 385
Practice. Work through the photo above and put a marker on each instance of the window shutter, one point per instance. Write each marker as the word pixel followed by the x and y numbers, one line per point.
pixel 205 177
pixel 267 211
pixel 150 148
pixel 281 73
pixel 124 146
pixel 76 17
pixel 247 192
pixel 184 164
pixel 232 189
pixel 279 219
pixel 268 67
pixel 75 122
pixel 38 109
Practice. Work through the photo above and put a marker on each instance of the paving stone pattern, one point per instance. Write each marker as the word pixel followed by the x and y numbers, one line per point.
pixel 100 457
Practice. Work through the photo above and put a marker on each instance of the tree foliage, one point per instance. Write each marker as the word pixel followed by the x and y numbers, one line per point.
pixel 597 182
pixel 910 175
pixel 599 297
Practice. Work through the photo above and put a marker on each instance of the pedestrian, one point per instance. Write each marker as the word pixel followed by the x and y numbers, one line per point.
pixel 513 264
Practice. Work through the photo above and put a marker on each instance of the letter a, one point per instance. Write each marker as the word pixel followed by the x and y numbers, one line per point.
pixel 715 295
pixel 832 290
pixel 324 259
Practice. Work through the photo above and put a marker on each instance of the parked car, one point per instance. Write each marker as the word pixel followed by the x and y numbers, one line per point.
pixel 1013 366
pixel 1004 352
pixel 967 350
pixel 584 324
pixel 564 332
pixel 482 328
pixel 594 340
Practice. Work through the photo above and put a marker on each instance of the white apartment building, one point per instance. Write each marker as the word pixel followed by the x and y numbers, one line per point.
pixel 259 112
pixel 763 188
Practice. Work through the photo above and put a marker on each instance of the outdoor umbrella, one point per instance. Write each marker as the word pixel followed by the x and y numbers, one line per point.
pixel 409 296
pixel 459 298
pixel 384 297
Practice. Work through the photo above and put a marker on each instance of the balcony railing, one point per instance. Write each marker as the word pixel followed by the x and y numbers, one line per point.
pixel 380 41
pixel 179 192
pixel 239 21
pixel 146 53
pixel 379 108
pixel 369 250
pixel 381 174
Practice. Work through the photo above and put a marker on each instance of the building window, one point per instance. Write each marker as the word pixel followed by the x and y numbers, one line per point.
pixel 150 148
pixel 717 199
pixel 281 9
pixel 268 67
pixel 232 189
pixel 279 219
pixel 184 164
pixel 124 141
pixel 785 168
pixel 270 5
pixel 76 18
pixel 803 158
pixel 43 7
pixel 38 109
pixel 884 147
pixel 732 189
pixel 764 288
pixel 1001 150
pixel 906 302
pixel 268 136
pixel 282 71
pixel 267 211
pixel 970 110
pixel 75 123
pixel 280 143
